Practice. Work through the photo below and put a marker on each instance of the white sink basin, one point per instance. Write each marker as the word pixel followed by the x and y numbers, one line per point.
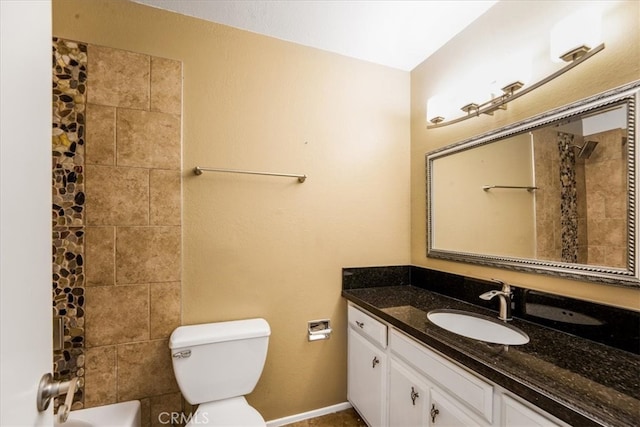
pixel 478 327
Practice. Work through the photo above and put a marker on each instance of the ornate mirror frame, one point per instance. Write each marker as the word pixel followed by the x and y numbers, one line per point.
pixel 628 94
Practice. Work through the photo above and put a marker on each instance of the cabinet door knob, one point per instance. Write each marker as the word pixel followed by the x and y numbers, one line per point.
pixel 434 412
pixel 414 396
pixel 374 362
pixel 361 324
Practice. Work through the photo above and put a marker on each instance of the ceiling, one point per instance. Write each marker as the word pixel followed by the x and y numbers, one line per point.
pixel 398 34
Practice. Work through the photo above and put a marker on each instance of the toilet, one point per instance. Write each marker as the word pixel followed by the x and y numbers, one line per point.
pixel 216 365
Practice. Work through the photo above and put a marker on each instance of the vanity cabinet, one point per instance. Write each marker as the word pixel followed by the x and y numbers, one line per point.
pixel 408 396
pixel 415 367
pixel 414 402
pixel 474 394
pixel 367 367
pixel 396 381
pixel 447 411
pixel 515 413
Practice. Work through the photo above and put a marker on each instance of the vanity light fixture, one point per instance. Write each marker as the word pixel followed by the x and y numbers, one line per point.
pixel 571 39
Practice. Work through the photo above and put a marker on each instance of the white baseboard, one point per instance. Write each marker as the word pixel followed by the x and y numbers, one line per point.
pixel 307 415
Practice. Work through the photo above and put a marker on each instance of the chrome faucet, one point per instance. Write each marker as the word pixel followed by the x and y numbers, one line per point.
pixel 505 299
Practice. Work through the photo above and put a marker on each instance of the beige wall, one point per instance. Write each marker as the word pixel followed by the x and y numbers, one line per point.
pixel 505 27
pixel 264 246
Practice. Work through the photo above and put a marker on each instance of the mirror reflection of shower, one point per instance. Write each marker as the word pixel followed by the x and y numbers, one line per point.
pixel 592 178
pixel 589 178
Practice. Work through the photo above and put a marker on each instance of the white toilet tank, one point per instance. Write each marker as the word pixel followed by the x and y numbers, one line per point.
pixel 216 361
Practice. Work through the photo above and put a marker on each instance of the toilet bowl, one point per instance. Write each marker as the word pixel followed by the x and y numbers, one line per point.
pixel 216 365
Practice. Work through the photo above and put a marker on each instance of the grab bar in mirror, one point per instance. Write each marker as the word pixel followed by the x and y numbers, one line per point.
pixel 517 187
pixel 198 171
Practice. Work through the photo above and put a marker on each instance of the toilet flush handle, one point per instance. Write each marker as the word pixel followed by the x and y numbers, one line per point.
pixel 182 354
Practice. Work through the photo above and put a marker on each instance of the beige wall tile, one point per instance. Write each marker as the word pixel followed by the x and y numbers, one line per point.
pixel 118 78
pixel 100 376
pixel 101 135
pixel 616 204
pixel 596 254
pixel 145 412
pixel 163 406
pixel 148 254
pixel 583 234
pixel 147 139
pixel 595 206
pixel 145 369
pixel 100 256
pixel 165 197
pixel 116 314
pixel 616 257
pixel 607 232
pixel 117 196
pixel 164 313
pixel 607 176
pixel 166 85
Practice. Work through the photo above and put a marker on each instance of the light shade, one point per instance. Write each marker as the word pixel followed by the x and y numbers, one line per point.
pixel 515 67
pixel 582 28
pixel 437 106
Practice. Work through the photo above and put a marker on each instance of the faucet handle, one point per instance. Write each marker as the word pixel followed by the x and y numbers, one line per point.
pixel 489 295
pixel 506 288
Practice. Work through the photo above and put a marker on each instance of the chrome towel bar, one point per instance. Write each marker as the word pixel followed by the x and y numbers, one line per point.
pixel 517 187
pixel 198 171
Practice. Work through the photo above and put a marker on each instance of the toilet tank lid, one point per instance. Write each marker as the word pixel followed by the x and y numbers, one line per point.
pixel 207 333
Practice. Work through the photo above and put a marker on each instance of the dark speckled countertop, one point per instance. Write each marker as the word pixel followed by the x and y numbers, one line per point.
pixel 577 380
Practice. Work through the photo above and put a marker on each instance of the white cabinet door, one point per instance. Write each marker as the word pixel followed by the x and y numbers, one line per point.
pixel 408 397
pixel 367 375
pixel 515 414
pixel 26 347
pixel 445 412
pixel 474 392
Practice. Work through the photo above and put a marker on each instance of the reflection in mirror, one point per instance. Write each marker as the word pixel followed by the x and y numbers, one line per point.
pixel 583 164
pixel 555 193
pixel 495 221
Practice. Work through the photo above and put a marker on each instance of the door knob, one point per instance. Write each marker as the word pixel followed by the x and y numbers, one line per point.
pixel 49 388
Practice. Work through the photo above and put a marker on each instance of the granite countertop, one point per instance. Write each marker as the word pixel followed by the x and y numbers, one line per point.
pixel 577 380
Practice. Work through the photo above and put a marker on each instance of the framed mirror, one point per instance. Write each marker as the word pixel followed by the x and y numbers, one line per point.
pixel 556 193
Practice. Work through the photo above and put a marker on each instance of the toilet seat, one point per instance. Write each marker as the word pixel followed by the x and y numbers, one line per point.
pixel 227 413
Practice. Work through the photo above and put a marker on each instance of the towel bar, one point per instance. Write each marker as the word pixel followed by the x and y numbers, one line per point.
pixel 198 171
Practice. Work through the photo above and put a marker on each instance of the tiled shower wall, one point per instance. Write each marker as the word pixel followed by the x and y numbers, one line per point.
pixel 120 241
pixel 606 184
pixel 547 178
pixel 600 230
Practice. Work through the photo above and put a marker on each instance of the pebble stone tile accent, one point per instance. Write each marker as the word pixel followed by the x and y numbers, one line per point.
pixel 68 133
pixel 568 198
pixel 67 143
